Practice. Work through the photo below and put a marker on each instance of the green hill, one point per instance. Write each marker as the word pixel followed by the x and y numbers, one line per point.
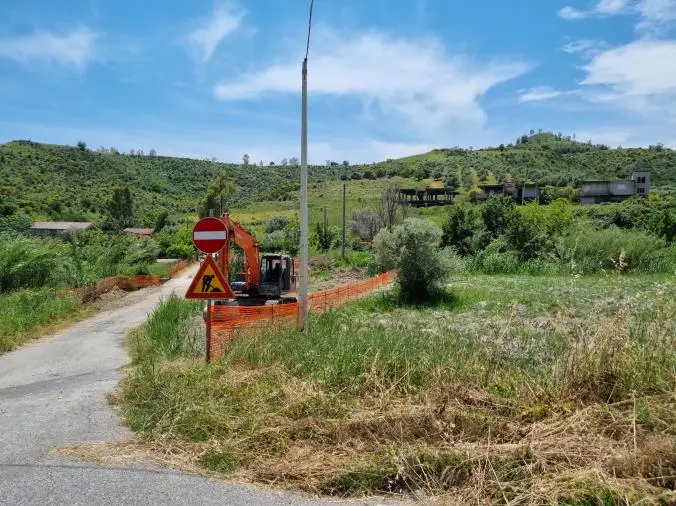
pixel 546 158
pixel 63 182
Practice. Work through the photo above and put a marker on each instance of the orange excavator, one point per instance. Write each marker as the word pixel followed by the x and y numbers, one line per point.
pixel 269 278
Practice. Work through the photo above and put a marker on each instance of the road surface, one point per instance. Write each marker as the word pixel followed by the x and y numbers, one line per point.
pixel 52 394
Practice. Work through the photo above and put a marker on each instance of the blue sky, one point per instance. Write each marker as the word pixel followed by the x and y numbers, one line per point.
pixel 387 78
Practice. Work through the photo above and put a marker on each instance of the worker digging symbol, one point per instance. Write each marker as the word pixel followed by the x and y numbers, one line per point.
pixel 206 284
pixel 209 283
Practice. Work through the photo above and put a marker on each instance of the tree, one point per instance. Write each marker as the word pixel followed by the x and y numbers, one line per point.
pixel 272 163
pixel 161 221
pixel 121 209
pixel 139 152
pixel 82 146
pixel 497 213
pixel 413 247
pixel 388 206
pixel 346 163
pixel 284 161
pixel 245 159
pixel 218 191
pixel 452 182
pixel 152 152
pixel 132 152
pixel 459 229
pixel 293 160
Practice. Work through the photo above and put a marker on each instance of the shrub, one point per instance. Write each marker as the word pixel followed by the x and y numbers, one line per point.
pixel 413 247
pixel 460 229
pixel 365 224
pixel 322 239
pixel 527 237
pixel 497 214
pixel 274 241
pixel 276 223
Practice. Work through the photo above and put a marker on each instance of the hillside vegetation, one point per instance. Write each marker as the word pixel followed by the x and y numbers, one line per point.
pixel 546 158
pixel 63 182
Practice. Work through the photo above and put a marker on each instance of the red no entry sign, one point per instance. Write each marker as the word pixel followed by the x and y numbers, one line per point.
pixel 209 235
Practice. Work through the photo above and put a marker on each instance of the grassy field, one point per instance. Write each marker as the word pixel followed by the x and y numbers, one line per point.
pixel 25 312
pixel 360 194
pixel 513 390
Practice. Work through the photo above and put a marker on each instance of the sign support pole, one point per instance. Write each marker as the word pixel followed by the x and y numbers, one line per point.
pixel 208 343
pixel 303 275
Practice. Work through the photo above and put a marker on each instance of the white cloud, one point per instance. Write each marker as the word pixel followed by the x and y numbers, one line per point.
pixel 639 77
pixel 587 47
pixel 571 14
pixel 611 7
pixel 224 20
pixel 657 16
pixel 602 8
pixel 543 93
pixel 641 68
pixel 75 48
pixel 417 80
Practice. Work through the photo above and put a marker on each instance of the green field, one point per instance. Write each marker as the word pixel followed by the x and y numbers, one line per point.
pixel 513 390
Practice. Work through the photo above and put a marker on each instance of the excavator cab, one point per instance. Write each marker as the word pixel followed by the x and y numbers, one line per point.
pixel 277 275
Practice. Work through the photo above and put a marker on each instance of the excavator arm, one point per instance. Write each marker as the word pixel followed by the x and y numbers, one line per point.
pixel 249 245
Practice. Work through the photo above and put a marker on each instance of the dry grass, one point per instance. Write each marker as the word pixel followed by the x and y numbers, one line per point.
pixel 498 416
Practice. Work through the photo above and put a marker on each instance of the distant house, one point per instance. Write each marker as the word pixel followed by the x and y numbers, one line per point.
pixel 424 198
pixel 529 192
pixel 59 228
pixel 596 192
pixel 145 233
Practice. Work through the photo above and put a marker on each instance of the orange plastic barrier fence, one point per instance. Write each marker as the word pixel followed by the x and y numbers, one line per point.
pixel 91 292
pixel 178 266
pixel 225 321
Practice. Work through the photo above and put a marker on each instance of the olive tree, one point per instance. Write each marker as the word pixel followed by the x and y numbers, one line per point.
pixel 413 248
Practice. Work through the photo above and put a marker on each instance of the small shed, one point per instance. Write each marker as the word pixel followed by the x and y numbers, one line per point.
pixel 145 233
pixel 59 228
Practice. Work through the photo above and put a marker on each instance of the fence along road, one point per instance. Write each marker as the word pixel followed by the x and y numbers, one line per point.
pixel 52 393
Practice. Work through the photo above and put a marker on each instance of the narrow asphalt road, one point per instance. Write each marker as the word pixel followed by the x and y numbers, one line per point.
pixel 53 393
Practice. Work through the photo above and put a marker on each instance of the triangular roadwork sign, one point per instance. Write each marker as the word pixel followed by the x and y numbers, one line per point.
pixel 209 283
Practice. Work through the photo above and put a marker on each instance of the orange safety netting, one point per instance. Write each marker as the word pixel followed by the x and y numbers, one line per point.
pixel 225 321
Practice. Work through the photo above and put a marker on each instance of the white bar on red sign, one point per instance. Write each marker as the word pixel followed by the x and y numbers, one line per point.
pixel 205 236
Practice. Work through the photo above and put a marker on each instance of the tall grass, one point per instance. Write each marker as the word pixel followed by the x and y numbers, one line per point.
pixel 383 397
pixel 32 263
pixel 170 331
pixel 83 259
pixel 23 311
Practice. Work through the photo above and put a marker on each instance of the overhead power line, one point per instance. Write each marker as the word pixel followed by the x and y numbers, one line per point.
pixel 309 29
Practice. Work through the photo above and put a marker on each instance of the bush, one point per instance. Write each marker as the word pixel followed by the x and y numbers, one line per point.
pixel 413 247
pixel 273 241
pixel 592 250
pixel 323 239
pixel 365 224
pixel 497 214
pixel 276 223
pixel 461 229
